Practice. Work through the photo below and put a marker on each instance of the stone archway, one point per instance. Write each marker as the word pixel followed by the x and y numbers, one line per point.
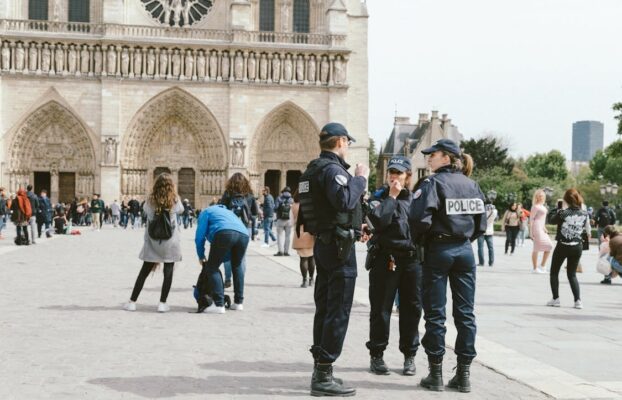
pixel 53 142
pixel 175 131
pixel 282 146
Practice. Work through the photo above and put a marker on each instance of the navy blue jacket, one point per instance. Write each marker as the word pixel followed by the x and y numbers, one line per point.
pixel 450 205
pixel 389 217
pixel 268 206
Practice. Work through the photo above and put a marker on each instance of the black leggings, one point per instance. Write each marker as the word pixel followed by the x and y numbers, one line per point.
pixel 573 255
pixel 22 231
pixel 307 265
pixel 144 273
pixel 511 232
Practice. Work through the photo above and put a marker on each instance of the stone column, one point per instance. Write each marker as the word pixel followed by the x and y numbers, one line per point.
pixel 54 186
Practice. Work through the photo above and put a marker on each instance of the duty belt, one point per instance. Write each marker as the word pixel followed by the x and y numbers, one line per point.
pixel 399 253
pixel 444 238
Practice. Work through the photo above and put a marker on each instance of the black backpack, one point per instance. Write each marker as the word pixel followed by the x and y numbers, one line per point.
pixel 161 227
pixel 604 217
pixel 240 208
pixel 282 212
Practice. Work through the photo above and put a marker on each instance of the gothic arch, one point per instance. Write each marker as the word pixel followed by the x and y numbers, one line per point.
pixel 286 140
pixel 173 130
pixel 52 139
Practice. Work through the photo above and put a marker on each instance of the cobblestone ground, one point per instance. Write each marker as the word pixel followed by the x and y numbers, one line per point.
pixel 64 335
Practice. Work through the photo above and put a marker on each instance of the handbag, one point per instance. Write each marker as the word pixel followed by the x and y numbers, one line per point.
pixel 585 240
pixel 603 266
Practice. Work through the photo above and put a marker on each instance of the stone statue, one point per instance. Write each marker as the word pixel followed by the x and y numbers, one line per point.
pixel 163 62
pixel 300 68
pixel 186 11
pixel 176 60
pixel 324 70
pixel 111 60
pixel 239 67
pixel 201 65
pixel 45 58
pixel 57 10
pixel 110 151
pixel 72 60
pixel 6 57
pixel 125 62
pixel 225 66
pixel 276 68
pixel 287 69
pixel 32 57
pixel 252 67
pixel 98 58
pixel 285 14
pixel 84 60
pixel 237 156
pixel 59 58
pixel 213 65
pixel 19 57
pixel 189 64
pixel 150 62
pixel 339 71
pixel 167 11
pixel 263 68
pixel 177 8
pixel 138 62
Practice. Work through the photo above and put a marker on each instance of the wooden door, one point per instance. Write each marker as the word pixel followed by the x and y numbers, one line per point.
pixel 185 185
pixel 66 187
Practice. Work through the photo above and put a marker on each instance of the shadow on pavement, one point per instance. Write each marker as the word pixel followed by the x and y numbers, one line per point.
pixel 263 366
pixel 579 316
pixel 140 308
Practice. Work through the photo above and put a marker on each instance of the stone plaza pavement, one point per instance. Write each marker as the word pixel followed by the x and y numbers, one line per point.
pixel 63 334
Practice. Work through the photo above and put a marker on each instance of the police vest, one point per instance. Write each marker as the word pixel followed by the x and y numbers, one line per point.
pixel 316 213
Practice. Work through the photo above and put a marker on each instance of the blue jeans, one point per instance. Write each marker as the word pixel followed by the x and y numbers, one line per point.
pixel 267 230
pixel 615 265
pixel 480 249
pixel 229 272
pixel 224 242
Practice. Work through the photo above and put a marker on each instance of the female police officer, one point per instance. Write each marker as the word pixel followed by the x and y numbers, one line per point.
pixel 447 213
pixel 393 266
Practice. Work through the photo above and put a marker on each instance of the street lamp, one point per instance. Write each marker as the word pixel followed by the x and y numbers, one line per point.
pixel 492 195
pixel 548 192
pixel 609 189
pixel 511 197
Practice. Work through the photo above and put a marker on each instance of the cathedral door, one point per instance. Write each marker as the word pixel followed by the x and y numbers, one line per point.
pixel 66 187
pixel 160 170
pixel 185 187
pixel 272 179
pixel 43 180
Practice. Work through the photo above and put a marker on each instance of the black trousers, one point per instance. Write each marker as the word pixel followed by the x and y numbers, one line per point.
pixel 383 286
pixel 573 255
pixel 144 273
pixel 334 290
pixel 511 232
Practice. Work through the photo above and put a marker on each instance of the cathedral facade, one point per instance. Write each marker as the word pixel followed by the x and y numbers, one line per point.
pixel 100 96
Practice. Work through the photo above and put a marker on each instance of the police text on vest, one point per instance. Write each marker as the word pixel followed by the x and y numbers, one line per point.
pixel 464 206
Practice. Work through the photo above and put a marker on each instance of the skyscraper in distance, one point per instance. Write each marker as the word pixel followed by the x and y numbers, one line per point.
pixel 587 138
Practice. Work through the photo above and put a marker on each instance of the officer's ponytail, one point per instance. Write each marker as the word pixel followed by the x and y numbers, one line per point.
pixel 467 167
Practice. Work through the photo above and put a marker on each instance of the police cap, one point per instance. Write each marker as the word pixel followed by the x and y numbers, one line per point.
pixel 399 163
pixel 443 145
pixel 333 129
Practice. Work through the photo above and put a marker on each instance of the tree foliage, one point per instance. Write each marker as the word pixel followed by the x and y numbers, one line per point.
pixel 488 153
pixel 617 107
pixel 373 161
pixel 605 165
pixel 551 165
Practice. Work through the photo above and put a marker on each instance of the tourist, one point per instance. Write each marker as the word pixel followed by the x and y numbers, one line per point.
pixel 511 225
pixel 155 251
pixel 491 217
pixel 44 214
pixel 124 213
pixel 3 211
pixel 523 230
pixel 134 212
pixel 303 244
pixel 228 238
pixel 609 232
pixel 604 217
pixel 571 222
pixel 283 208
pixel 34 206
pixel 60 220
pixel 267 209
pixel 21 212
pixel 539 233
pixel 97 207
pixel 115 212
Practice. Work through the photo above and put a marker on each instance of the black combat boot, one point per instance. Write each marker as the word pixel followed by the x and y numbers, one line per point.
pixel 461 380
pixel 434 380
pixel 378 366
pixel 313 377
pixel 409 366
pixel 323 384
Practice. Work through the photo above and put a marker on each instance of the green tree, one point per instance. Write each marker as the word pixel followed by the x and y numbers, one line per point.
pixel 373 162
pixel 617 107
pixel 605 165
pixel 488 152
pixel 551 165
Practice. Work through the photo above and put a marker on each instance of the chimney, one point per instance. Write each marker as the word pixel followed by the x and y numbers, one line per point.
pixel 402 120
pixel 434 115
pixel 444 117
pixel 423 118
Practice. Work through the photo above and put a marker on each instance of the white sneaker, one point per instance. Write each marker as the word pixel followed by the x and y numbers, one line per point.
pixel 534 271
pixel 130 306
pixel 541 270
pixel 214 309
pixel 265 245
pixel 237 307
pixel 578 304
pixel 554 303
pixel 163 307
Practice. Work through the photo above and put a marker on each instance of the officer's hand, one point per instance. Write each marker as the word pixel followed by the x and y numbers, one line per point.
pixel 361 170
pixel 396 188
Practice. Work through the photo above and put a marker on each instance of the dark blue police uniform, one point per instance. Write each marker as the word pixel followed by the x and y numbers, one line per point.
pixel 448 213
pixel 394 268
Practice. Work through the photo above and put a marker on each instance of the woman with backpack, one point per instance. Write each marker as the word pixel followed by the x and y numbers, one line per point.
pixel 284 224
pixel 238 197
pixel 161 209
pixel 22 211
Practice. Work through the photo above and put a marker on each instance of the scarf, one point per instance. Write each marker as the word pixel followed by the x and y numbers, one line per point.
pixel 24 203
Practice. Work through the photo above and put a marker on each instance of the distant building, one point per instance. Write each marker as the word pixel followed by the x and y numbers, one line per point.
pixel 587 138
pixel 408 139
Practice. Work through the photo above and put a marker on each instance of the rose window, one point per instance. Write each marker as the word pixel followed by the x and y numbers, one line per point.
pixel 178 12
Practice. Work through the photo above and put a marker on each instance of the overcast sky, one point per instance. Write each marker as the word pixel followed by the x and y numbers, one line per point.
pixel 525 70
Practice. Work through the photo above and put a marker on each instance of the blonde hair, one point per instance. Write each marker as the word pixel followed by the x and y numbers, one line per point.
pixel 539 194
pixel 463 162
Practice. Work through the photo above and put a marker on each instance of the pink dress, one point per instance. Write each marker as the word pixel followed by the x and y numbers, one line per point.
pixel 541 240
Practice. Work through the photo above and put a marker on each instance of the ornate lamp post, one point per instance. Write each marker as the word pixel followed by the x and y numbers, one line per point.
pixel 548 192
pixel 609 190
pixel 492 195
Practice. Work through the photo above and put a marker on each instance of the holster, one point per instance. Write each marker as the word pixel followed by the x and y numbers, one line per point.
pixel 372 252
pixel 345 239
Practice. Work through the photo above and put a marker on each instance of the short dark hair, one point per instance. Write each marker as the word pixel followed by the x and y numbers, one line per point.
pixel 328 142
pixel 267 189
pixel 605 203
pixel 29 187
pixel 44 191
pixel 573 198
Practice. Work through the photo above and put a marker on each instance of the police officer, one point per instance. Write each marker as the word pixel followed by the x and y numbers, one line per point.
pixel 394 267
pixel 448 213
pixel 330 209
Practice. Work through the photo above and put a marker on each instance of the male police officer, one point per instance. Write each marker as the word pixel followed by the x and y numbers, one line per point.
pixel 330 208
pixel 448 212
